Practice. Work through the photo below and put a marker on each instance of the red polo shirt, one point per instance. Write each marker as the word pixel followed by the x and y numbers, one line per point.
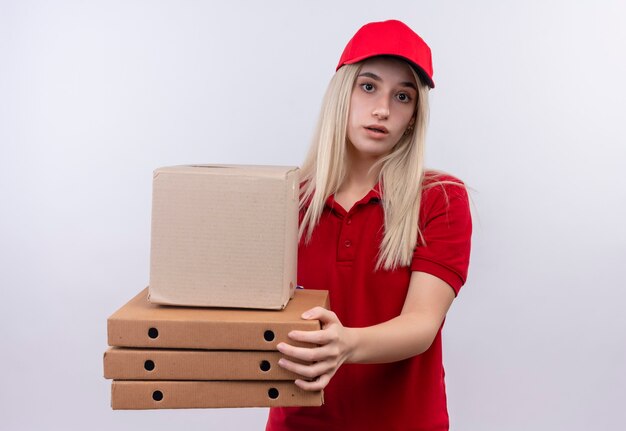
pixel 341 256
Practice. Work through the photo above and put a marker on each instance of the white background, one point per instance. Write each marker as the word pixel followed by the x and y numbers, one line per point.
pixel 528 111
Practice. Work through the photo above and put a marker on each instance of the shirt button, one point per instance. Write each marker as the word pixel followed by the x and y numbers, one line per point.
pixel 347 243
pixel 349 221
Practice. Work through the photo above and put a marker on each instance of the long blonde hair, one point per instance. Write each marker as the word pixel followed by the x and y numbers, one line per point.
pixel 401 171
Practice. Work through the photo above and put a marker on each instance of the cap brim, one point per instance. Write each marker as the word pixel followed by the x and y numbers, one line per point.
pixel 420 72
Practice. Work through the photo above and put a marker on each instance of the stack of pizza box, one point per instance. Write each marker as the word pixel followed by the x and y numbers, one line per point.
pixel 191 357
pixel 221 296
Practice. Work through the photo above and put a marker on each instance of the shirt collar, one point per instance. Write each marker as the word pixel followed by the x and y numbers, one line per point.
pixel 374 195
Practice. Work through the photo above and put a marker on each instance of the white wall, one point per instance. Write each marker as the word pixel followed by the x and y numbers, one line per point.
pixel 95 95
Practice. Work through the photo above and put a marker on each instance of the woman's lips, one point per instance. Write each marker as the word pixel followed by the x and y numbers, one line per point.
pixel 376 130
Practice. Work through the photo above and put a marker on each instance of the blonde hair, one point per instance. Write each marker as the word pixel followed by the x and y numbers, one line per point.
pixel 401 171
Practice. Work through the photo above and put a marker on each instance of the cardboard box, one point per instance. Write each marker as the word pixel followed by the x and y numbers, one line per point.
pixel 166 364
pixel 140 323
pixel 224 236
pixel 184 395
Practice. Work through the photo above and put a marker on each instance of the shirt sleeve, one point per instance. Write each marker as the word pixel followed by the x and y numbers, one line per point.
pixel 446 226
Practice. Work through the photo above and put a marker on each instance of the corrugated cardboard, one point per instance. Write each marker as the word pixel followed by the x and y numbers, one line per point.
pixel 140 323
pixel 166 364
pixel 224 236
pixel 184 395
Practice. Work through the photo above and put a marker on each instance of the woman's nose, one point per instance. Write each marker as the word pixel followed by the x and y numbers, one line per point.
pixel 381 111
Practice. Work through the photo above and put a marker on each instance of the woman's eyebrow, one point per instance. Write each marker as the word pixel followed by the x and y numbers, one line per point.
pixel 408 84
pixel 371 75
pixel 379 79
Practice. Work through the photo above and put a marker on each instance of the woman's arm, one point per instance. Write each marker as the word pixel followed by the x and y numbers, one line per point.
pixel 411 333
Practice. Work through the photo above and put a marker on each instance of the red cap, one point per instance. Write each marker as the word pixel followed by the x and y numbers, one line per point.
pixel 390 38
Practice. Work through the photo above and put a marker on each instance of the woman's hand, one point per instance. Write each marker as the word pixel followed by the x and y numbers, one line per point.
pixel 335 346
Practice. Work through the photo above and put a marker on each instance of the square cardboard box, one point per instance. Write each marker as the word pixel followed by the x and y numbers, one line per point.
pixel 224 236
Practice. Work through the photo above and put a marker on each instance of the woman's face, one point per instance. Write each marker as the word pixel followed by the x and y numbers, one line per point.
pixel 382 106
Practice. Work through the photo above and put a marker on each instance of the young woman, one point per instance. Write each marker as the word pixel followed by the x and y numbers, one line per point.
pixel 389 240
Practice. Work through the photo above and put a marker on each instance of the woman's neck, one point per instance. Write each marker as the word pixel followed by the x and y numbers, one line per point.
pixel 360 175
pixel 359 180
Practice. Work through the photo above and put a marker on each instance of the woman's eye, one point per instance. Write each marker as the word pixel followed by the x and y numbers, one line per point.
pixel 403 97
pixel 367 87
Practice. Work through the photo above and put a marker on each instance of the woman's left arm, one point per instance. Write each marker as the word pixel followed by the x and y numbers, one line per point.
pixel 411 333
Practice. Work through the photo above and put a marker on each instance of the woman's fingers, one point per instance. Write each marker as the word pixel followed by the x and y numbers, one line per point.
pixel 321 314
pixel 328 333
pixel 309 371
pixel 320 337
pixel 333 342
pixel 306 353
pixel 315 385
